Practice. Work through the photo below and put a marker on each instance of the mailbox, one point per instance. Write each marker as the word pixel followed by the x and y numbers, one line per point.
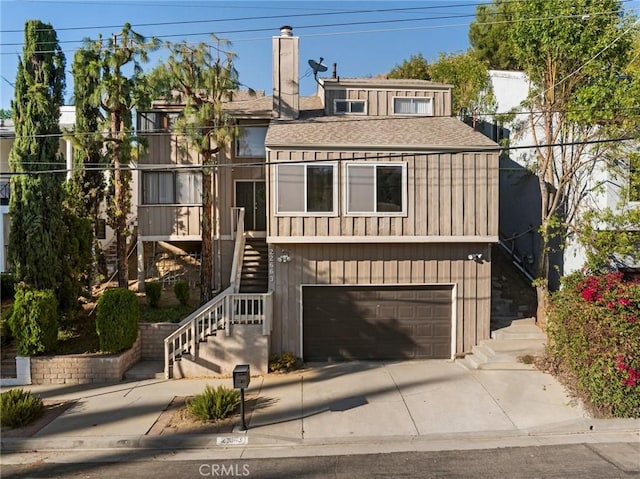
pixel 241 376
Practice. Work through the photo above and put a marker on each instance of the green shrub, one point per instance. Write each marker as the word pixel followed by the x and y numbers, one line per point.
pixel 5 329
pixel 153 291
pixel 18 408
pixel 214 403
pixel 283 362
pixel 117 320
pixel 7 286
pixel 34 322
pixel 181 290
pixel 594 334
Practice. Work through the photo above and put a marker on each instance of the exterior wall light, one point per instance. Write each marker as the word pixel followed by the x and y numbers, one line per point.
pixel 284 257
pixel 477 257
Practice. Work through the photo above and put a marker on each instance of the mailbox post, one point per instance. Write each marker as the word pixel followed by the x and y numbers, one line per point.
pixel 241 379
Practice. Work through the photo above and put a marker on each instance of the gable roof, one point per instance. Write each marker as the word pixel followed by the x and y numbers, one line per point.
pixel 383 132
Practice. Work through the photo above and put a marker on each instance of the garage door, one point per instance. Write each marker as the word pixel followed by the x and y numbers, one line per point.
pixel 381 322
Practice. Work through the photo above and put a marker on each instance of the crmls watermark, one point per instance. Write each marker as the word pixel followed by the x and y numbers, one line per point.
pixel 224 470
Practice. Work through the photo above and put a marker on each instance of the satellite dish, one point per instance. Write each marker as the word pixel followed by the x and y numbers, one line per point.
pixel 317 66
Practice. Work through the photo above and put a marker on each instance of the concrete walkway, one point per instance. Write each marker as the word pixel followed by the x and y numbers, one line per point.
pixel 337 408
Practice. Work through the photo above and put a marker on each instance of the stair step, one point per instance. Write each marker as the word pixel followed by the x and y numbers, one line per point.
pixel 145 370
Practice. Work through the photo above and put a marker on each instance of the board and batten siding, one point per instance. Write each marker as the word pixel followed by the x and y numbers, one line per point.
pixel 169 221
pixel 381 264
pixel 380 101
pixel 448 194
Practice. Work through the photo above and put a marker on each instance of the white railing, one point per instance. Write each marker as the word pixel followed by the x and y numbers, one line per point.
pixel 226 309
pixel 219 314
pixel 238 250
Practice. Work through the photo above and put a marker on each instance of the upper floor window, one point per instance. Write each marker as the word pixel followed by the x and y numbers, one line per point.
pixel 421 106
pixel 309 188
pixel 250 142
pixel 171 187
pixel 376 188
pixel 356 107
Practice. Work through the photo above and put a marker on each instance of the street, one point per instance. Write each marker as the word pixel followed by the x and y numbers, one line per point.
pixel 615 460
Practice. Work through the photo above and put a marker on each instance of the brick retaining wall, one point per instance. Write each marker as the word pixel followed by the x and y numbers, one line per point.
pixel 152 335
pixel 84 368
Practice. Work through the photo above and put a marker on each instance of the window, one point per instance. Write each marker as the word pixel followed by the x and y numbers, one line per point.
pixel 171 187
pixel 306 189
pixel 250 143
pixel 634 177
pixel 378 189
pixel 412 106
pixel 357 107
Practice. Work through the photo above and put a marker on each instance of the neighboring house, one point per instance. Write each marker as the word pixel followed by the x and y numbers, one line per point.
pixel 520 191
pixel 378 210
pixel 7 137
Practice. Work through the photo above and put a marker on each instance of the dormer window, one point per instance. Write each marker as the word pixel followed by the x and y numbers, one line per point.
pixel 353 107
pixel 420 106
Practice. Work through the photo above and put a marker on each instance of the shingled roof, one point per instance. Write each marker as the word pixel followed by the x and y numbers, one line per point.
pixel 386 132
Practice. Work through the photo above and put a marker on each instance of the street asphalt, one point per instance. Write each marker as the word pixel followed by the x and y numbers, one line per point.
pixel 336 409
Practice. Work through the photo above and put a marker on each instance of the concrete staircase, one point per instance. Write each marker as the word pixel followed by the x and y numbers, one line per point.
pixel 508 346
pixel 8 361
pixel 512 296
pixel 254 277
pixel 145 370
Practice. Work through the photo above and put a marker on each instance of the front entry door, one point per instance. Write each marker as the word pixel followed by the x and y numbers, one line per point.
pixel 252 197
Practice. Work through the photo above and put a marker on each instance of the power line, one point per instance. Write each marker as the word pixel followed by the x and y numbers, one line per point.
pixel 496 149
pixel 331 25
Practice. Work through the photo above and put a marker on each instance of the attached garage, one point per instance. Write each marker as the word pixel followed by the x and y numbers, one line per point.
pixel 376 322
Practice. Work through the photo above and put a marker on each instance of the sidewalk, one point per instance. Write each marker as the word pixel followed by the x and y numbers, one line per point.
pixel 354 407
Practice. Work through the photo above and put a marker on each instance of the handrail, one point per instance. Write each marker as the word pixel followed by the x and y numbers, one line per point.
pixel 238 250
pixel 220 313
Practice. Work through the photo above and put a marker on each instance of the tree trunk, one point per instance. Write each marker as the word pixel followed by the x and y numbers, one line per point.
pixel 206 270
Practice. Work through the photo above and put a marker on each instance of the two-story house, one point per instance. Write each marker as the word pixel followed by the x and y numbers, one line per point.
pixel 378 209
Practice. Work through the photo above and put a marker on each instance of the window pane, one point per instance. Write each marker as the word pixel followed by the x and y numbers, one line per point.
pixel 250 143
pixel 402 106
pixel 149 188
pixel 360 183
pixel 165 182
pixel 157 187
pixel 357 107
pixel 422 106
pixel 320 188
pixel 388 188
pixel 189 187
pixel 290 184
pixel 341 106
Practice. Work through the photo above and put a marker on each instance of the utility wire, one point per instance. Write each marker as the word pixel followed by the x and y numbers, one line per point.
pixel 496 149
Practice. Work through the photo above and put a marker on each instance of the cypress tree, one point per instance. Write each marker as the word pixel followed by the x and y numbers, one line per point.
pixel 37 228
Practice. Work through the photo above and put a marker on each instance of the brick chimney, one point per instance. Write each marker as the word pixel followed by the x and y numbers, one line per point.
pixel 285 75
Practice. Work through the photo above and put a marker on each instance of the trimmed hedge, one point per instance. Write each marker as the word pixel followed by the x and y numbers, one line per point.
pixel 117 320
pixel 153 291
pixel 34 322
pixel 594 334
pixel 181 290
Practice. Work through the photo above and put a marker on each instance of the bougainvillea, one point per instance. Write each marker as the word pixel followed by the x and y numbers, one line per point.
pixel 594 332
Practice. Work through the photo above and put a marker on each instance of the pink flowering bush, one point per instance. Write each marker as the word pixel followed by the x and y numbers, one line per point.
pixel 594 334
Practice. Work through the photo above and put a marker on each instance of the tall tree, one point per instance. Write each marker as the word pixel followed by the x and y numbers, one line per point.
pixel 203 82
pixel 489 37
pixel 573 52
pixel 472 90
pixel 116 93
pixel 415 68
pixel 37 230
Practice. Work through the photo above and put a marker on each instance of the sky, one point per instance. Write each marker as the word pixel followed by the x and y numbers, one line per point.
pixel 364 38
